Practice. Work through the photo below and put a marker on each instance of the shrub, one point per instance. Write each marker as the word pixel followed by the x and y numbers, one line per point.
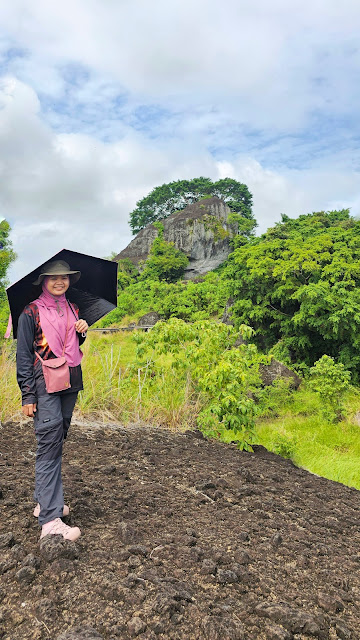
pixel 330 381
pixel 224 376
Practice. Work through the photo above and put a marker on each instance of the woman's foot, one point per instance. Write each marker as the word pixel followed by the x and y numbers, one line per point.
pixel 36 512
pixel 58 527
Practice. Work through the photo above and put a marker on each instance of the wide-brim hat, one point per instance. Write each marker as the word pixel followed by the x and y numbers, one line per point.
pixel 57 268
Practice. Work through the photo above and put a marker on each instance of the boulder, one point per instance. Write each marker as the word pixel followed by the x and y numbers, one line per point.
pixel 275 370
pixel 200 230
pixel 149 319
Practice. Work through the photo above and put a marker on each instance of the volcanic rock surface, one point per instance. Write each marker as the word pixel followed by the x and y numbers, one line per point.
pixel 182 539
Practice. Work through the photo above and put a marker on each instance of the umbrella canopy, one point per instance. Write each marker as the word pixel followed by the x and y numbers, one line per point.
pixel 94 293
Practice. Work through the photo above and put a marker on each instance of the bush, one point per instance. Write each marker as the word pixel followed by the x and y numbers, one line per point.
pixel 224 376
pixel 330 381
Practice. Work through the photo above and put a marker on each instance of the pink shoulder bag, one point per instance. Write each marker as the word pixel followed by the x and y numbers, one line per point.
pixel 56 370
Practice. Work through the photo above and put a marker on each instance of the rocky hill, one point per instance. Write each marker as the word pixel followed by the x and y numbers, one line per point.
pixel 200 230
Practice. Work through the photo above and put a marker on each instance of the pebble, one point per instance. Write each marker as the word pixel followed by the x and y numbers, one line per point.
pixel 208 567
pixel 127 533
pixel 7 540
pixel 136 626
pixel 226 576
pixel 343 632
pixel 55 546
pixel 31 561
pixel 158 628
pixel 26 575
pixel 138 550
pixel 7 564
pixel 274 632
pixel 331 604
pixel 276 539
pixel 134 562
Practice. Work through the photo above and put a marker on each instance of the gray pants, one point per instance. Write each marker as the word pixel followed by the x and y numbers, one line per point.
pixel 52 422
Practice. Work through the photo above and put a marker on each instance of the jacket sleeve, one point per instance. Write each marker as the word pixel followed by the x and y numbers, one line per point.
pixel 25 358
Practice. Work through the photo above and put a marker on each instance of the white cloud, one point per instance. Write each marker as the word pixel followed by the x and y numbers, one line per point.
pixel 102 101
pixel 75 192
pixel 267 64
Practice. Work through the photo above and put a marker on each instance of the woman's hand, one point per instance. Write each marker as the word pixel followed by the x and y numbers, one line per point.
pixel 81 326
pixel 29 410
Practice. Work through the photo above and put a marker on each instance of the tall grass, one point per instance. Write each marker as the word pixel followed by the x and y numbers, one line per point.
pixel 119 388
pixel 10 402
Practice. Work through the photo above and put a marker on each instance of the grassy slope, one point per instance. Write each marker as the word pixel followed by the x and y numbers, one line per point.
pixel 329 450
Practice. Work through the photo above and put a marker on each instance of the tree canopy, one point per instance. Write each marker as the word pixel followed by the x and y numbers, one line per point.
pixel 298 285
pixel 175 196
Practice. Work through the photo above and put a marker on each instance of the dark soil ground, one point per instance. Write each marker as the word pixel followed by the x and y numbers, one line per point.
pixel 182 538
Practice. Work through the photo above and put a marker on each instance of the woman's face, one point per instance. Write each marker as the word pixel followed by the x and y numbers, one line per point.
pixel 57 285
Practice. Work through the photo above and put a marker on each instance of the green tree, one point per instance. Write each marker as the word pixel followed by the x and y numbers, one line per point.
pixel 164 262
pixel 175 196
pixel 330 381
pixel 299 284
pixel 7 256
pixel 128 273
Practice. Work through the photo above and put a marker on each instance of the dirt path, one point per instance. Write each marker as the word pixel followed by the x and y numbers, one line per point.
pixel 182 539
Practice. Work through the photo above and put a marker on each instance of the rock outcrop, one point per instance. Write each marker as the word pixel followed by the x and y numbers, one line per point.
pixel 275 370
pixel 200 230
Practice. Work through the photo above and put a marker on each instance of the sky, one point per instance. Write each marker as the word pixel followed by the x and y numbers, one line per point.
pixel 100 102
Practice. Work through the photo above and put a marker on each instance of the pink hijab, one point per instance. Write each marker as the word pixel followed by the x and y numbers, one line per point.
pixel 53 320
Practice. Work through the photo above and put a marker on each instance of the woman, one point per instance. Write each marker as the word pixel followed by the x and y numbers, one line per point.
pixel 44 326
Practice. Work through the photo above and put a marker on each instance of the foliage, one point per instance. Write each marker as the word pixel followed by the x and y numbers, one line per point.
pixel 128 273
pixel 328 449
pixel 213 224
pixel 7 256
pixel 164 261
pixel 187 300
pixel 330 381
pixel 168 198
pixel 285 445
pixel 224 376
pixel 299 284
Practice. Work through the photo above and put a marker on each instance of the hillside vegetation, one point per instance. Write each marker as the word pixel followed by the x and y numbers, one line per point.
pixel 297 286
pixel 292 293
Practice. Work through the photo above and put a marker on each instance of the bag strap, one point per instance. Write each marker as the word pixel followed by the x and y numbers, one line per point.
pixel 67 326
pixel 66 334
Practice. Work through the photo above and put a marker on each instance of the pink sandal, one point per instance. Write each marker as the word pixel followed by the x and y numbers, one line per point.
pixel 36 512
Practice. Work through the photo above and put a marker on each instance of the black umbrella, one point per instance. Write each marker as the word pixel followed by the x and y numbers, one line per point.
pixel 94 293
